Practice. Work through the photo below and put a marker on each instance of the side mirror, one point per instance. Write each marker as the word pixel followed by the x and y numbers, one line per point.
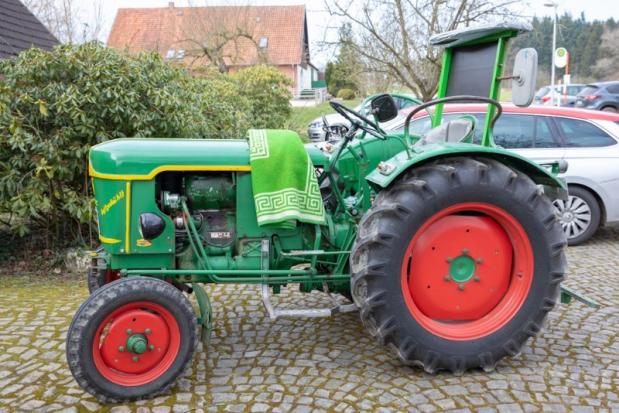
pixel 384 108
pixel 524 77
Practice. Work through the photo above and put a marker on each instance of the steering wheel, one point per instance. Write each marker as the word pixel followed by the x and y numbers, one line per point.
pixel 346 112
pixel 459 98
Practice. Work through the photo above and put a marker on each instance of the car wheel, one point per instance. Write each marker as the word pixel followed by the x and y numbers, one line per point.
pixel 609 109
pixel 579 215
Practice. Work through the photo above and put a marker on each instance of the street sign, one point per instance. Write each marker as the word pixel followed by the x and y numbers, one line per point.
pixel 561 57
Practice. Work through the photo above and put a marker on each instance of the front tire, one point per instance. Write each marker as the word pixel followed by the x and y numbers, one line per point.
pixel 131 339
pixel 457 264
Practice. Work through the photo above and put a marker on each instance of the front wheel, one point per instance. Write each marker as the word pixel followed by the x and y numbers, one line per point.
pixel 457 264
pixel 131 339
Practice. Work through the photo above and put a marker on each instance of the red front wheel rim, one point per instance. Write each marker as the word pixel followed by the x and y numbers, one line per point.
pixel 136 344
pixel 467 271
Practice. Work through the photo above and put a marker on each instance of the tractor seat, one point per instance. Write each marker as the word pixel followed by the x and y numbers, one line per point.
pixel 456 130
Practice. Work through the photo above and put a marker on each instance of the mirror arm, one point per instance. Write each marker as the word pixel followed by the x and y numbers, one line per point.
pixel 518 78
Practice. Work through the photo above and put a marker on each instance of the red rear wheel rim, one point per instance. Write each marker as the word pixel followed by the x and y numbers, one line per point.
pixel 114 359
pixel 467 271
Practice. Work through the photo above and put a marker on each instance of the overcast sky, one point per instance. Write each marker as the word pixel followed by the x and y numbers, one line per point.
pixel 319 20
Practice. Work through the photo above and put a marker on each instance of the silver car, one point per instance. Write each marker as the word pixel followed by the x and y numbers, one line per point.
pixel 587 140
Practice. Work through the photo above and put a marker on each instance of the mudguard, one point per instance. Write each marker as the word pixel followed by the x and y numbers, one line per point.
pixel 388 171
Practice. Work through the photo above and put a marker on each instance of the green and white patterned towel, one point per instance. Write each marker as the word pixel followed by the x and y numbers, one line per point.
pixel 283 179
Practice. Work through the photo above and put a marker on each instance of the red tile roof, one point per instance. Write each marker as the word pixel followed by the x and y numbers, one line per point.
pixel 163 29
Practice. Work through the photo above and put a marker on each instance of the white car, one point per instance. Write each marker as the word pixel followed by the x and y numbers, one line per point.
pixel 587 140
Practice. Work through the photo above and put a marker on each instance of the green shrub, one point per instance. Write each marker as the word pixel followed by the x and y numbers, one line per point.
pixel 55 105
pixel 346 94
pixel 226 109
pixel 268 93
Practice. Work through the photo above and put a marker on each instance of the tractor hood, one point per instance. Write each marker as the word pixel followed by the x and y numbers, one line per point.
pixel 143 158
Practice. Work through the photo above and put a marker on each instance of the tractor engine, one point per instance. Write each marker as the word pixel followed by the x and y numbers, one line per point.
pixel 211 200
pixel 230 240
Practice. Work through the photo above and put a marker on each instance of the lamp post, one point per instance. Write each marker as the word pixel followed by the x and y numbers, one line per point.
pixel 554 46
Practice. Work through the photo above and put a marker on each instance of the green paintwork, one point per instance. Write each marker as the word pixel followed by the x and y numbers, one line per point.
pixel 462 269
pixel 316 155
pixel 567 294
pixel 424 153
pixel 495 91
pixel 212 191
pixel 142 156
pixel 137 344
pixel 206 312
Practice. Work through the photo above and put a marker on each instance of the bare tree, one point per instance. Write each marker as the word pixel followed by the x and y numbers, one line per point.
pixel 215 35
pixel 391 36
pixel 607 66
pixel 69 20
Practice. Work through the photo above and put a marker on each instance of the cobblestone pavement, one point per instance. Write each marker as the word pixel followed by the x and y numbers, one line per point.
pixel 253 364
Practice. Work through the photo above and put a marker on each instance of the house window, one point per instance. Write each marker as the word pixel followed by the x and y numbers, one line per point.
pixel 170 54
pixel 264 41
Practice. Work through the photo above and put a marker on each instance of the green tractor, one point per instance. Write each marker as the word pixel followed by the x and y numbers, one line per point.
pixel 451 251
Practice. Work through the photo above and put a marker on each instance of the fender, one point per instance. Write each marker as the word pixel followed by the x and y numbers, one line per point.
pixel 388 171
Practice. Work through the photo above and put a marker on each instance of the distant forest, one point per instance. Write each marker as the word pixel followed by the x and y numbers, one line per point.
pixel 592 46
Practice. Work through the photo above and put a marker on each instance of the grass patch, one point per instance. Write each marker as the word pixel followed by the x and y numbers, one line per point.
pixel 302 116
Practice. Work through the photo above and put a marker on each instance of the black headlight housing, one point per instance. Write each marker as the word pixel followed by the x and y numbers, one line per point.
pixel 151 225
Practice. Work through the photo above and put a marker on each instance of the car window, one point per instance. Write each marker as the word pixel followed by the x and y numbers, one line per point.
pixel 573 90
pixel 614 89
pixel 514 131
pixel 510 131
pixel 589 90
pixel 542 135
pixel 582 134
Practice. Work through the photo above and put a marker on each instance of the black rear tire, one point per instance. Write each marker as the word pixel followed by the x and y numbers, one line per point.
pixel 395 217
pixel 97 308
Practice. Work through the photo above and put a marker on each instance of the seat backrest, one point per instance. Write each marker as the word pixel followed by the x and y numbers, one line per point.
pixel 457 130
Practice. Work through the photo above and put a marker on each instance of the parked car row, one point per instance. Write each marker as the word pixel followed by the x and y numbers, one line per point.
pixel 599 96
pixel 564 95
pixel 595 96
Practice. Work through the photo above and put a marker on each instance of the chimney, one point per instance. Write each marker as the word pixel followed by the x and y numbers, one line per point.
pixel 171 4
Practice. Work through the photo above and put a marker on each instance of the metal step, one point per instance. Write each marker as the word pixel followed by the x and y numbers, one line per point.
pixel 274 313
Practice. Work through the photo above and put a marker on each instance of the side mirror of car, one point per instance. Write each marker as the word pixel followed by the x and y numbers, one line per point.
pixel 524 77
pixel 384 108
